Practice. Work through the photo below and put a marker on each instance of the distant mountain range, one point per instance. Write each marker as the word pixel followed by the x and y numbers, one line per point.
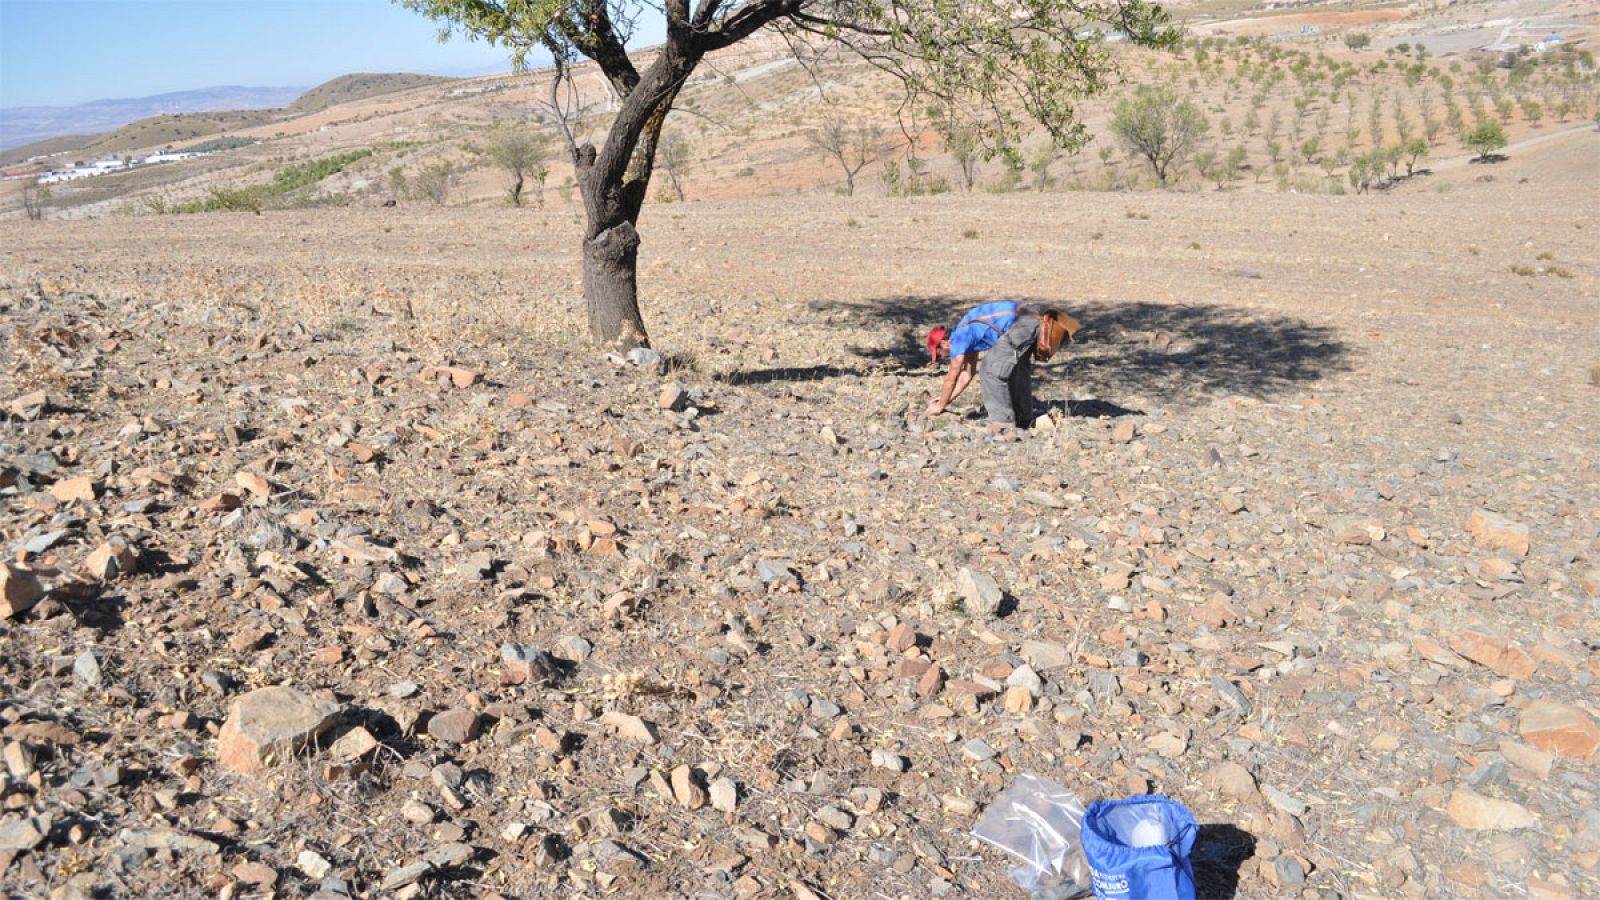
pixel 26 124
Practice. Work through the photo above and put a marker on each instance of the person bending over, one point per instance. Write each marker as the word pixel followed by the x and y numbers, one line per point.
pixel 998 342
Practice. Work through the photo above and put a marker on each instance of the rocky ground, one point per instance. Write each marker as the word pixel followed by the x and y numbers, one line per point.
pixel 338 565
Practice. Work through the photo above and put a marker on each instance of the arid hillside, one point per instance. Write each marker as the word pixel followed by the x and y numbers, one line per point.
pixel 1332 99
pixel 338 564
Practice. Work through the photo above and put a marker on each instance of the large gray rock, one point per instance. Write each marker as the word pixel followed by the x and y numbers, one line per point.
pixel 269 725
pixel 978 593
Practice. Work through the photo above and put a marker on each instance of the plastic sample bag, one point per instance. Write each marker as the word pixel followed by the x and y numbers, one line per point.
pixel 1138 849
pixel 1036 821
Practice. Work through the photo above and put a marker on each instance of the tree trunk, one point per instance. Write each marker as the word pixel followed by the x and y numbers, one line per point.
pixel 611 288
pixel 516 191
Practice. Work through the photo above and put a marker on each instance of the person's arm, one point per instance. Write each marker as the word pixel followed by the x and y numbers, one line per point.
pixel 956 380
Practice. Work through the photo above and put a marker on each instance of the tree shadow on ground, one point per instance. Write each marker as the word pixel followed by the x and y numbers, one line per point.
pixel 785 373
pixel 1093 408
pixel 1170 351
pixel 1219 852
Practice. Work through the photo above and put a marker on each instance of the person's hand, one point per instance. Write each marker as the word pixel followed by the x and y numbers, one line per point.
pixel 935 407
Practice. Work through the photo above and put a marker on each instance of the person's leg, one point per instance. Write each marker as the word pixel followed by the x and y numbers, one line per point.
pixel 996 396
pixel 1020 388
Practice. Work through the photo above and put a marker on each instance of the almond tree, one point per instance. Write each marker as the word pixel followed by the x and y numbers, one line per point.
pixel 1010 59
pixel 1160 126
pixel 521 152
pixel 853 147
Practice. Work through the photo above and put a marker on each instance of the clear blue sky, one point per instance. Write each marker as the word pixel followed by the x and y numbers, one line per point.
pixel 62 52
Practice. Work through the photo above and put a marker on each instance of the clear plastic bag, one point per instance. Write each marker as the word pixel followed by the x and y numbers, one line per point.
pixel 1036 821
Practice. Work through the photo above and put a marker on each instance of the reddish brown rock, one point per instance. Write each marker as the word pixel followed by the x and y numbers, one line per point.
pixel 80 489
pixel 1538 762
pixel 354 744
pixel 689 794
pixel 1589 582
pixel 1358 531
pixel 1496 532
pixel 1233 781
pixel 457 725
pixel 1483 649
pixel 901 638
pixel 269 725
pixel 19 589
pixel 253 483
pixel 1560 728
pixel 451 376
pixel 1018 700
pixel 1516 663
pixel 1479 813
pixel 110 560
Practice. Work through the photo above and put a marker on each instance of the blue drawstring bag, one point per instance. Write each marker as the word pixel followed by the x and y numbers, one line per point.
pixel 1138 849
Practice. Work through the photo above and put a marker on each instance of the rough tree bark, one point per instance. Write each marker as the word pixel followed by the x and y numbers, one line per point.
pixel 615 179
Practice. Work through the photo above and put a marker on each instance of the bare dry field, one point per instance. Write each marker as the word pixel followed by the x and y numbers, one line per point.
pixel 1246 560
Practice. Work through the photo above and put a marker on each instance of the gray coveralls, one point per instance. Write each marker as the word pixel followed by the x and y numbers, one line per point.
pixel 1006 374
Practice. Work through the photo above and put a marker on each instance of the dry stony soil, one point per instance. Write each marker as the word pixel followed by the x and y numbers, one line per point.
pixel 339 564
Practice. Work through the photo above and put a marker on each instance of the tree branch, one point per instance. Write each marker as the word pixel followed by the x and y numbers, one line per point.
pixel 705 13
pixel 594 35
pixel 746 22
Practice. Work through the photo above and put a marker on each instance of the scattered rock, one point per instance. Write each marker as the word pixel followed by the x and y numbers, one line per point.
pixel 81 489
pixel 1480 813
pixel 269 725
pixel 629 727
pixel 19 590
pixel 1560 728
pixel 724 795
pixel 456 725
pixel 525 665
pixel 111 560
pixel 19 834
pixel 313 864
pixel 686 790
pixel 979 593
pixel 1233 781
pixel 1493 531
pixel 353 744
pixel 674 397
pixel 87 668
pixel 1046 655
